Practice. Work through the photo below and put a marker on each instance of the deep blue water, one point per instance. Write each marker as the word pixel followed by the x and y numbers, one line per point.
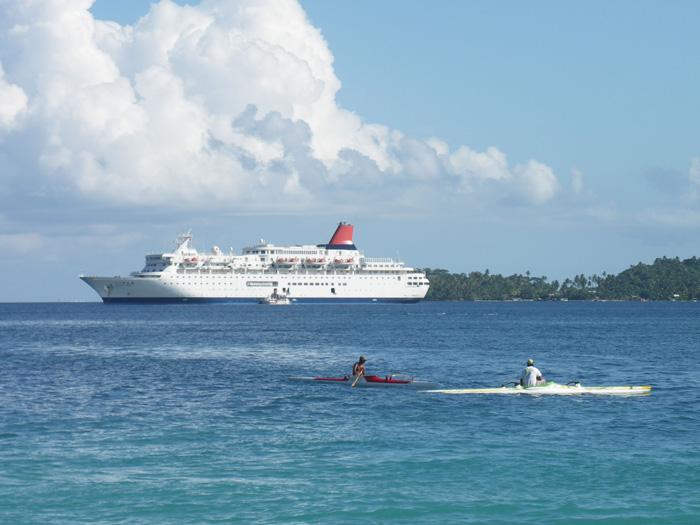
pixel 184 414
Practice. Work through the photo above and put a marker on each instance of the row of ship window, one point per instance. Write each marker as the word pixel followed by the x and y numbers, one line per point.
pixel 317 284
pixel 308 284
pixel 246 277
pixel 283 254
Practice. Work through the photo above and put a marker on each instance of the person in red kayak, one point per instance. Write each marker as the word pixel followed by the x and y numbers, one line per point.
pixel 531 376
pixel 358 369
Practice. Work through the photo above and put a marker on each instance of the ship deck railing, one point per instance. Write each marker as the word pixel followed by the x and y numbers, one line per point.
pixel 380 260
pixel 353 270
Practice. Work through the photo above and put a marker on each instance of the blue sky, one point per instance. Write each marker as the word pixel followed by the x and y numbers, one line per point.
pixel 556 137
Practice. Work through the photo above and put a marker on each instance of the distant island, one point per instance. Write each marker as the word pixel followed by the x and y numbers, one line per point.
pixel 665 280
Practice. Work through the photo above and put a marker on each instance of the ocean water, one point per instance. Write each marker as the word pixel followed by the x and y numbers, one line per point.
pixel 184 414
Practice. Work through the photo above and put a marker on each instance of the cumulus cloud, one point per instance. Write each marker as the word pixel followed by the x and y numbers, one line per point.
pixel 229 104
pixel 472 167
pixel 536 182
pixel 13 102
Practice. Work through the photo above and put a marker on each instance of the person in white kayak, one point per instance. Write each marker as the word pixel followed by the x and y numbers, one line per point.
pixel 358 369
pixel 531 376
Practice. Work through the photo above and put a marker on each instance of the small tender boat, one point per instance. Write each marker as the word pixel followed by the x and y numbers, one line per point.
pixel 370 381
pixel 551 388
pixel 276 298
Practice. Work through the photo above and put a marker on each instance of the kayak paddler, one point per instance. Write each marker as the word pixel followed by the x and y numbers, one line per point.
pixel 358 369
pixel 531 376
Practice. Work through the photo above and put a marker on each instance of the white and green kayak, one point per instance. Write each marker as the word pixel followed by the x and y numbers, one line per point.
pixel 552 388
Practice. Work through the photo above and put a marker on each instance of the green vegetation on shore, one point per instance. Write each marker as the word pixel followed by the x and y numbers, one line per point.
pixel 665 280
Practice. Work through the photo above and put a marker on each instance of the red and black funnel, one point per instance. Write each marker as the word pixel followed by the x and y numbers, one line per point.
pixel 342 238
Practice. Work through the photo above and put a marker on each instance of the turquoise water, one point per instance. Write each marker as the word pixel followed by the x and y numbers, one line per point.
pixel 184 414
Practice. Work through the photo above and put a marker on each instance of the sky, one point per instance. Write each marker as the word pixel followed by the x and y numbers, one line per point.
pixel 558 138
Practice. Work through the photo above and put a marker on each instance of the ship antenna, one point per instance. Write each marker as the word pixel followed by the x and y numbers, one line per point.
pixel 182 238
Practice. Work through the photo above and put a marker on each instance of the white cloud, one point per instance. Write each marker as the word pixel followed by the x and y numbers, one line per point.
pixel 471 166
pixel 13 102
pixel 536 182
pixel 224 105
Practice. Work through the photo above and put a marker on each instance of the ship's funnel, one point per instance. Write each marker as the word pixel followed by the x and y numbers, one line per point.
pixel 343 235
pixel 342 238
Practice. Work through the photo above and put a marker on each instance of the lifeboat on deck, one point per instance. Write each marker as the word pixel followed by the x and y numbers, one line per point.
pixel 315 263
pixel 343 263
pixel 286 263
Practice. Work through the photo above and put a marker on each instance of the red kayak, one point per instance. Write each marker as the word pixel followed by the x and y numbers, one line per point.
pixel 370 381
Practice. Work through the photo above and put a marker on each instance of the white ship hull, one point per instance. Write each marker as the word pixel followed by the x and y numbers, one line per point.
pixel 333 273
pixel 236 289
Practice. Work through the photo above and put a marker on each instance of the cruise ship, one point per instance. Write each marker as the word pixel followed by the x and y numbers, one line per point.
pixel 336 272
